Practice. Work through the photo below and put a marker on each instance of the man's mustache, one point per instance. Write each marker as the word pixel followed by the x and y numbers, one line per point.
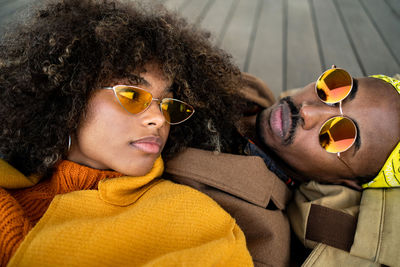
pixel 295 118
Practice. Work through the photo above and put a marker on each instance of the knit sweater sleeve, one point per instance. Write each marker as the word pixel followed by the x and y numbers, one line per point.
pixel 14 226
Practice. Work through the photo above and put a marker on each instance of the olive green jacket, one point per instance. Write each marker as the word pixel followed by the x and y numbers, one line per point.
pixel 376 215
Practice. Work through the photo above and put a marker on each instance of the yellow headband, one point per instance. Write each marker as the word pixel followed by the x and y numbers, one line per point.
pixel 389 175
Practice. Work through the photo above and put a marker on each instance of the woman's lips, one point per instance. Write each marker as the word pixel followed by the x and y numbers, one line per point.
pixel 280 120
pixel 151 145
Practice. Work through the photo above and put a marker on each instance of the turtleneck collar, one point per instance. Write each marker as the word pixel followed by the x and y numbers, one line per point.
pixel 70 176
pixel 125 190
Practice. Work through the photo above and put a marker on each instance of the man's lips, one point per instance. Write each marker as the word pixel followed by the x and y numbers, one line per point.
pixel 280 120
pixel 151 144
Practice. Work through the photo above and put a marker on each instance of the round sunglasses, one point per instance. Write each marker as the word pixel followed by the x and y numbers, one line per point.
pixel 338 133
pixel 136 100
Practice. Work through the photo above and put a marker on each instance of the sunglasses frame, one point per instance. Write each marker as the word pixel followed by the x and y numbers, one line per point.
pixel 340 109
pixel 160 101
pixel 355 128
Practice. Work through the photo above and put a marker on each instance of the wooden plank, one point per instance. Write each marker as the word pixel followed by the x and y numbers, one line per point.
pixel 8 8
pixel 237 37
pixel 11 11
pixel 216 18
pixel 174 5
pixel 4 2
pixel 394 6
pixel 266 58
pixel 303 62
pixel 157 1
pixel 388 24
pixel 333 41
pixel 193 10
pixel 254 29
pixel 373 53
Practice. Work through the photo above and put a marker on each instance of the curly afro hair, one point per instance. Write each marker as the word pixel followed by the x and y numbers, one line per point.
pixel 51 63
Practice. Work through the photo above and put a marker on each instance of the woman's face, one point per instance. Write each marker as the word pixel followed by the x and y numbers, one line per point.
pixel 111 138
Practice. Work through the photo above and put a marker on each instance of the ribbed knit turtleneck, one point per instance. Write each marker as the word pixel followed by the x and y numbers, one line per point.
pixel 134 221
pixel 21 209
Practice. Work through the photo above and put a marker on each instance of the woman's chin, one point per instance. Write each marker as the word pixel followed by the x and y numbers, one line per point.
pixel 137 168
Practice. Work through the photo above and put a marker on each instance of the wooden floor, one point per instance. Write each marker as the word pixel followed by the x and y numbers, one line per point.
pixel 288 43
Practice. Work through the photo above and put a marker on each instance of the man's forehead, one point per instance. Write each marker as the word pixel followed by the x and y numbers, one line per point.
pixel 379 89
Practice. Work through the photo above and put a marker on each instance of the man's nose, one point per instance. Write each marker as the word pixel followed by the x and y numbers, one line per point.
pixel 314 114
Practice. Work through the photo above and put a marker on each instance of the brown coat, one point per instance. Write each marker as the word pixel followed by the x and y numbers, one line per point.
pixel 245 188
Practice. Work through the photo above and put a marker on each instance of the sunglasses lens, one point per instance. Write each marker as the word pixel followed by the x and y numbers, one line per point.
pixel 334 85
pixel 176 111
pixel 133 99
pixel 337 134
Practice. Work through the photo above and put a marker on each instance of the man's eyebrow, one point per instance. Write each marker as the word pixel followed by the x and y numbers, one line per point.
pixel 351 96
pixel 357 142
pixel 354 90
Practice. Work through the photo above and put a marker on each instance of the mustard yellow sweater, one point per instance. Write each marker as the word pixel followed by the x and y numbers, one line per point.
pixel 132 221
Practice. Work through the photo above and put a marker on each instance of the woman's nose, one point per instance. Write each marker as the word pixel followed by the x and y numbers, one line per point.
pixel 153 115
pixel 314 114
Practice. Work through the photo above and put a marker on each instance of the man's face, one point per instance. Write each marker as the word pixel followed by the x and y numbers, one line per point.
pixel 291 129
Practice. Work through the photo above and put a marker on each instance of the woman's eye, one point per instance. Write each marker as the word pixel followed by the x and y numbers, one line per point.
pixel 133 96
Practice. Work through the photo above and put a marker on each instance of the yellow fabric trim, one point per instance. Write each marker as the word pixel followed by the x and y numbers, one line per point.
pixel 389 175
pixel 11 178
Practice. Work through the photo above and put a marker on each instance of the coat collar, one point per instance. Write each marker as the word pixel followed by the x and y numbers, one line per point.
pixel 246 177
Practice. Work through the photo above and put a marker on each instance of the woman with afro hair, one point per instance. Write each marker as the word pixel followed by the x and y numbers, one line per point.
pixel 90 93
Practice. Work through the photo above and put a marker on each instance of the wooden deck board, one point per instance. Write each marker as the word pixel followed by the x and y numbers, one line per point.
pixel 175 5
pixel 287 43
pixel 10 7
pixel 373 53
pixel 394 5
pixel 237 37
pixel 388 24
pixel 266 59
pixel 193 10
pixel 218 17
pixel 333 41
pixel 303 62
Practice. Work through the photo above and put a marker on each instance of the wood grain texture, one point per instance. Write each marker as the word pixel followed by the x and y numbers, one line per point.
pixel 288 43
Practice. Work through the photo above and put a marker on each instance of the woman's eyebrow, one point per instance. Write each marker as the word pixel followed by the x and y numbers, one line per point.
pixel 143 81
pixel 146 83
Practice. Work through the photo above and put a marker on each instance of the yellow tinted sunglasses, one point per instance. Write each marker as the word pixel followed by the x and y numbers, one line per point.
pixel 339 133
pixel 136 100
